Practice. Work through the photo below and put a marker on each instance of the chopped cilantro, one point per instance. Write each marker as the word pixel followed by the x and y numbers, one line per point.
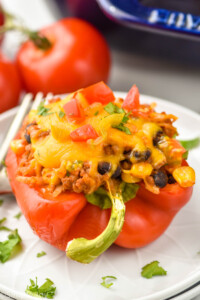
pixel 185 155
pixel 123 128
pixel 61 114
pixel 18 216
pixel 7 247
pixel 153 269
pixel 113 109
pixel 1 202
pixel 3 163
pixel 68 174
pixel 106 281
pixel 96 113
pixel 40 254
pixel 3 220
pixel 42 110
pixel 47 290
pixel 190 144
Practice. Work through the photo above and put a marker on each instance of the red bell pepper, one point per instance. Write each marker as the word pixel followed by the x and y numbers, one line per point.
pixel 58 220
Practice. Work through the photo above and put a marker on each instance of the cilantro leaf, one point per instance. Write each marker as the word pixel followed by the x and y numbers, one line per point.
pixel 153 269
pixel 3 220
pixel 123 128
pixel 185 155
pixel 190 144
pixel 42 110
pixel 61 114
pixel 18 216
pixel 7 247
pixel 96 113
pixel 3 163
pixel 47 290
pixel 1 202
pixel 40 254
pixel 106 281
pixel 113 109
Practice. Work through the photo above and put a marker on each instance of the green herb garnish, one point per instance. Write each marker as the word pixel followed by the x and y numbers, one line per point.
pixel 1 202
pixel 96 113
pixel 18 216
pixel 123 128
pixel 61 114
pixel 3 163
pixel 113 109
pixel 7 247
pixel 190 144
pixel 47 290
pixel 3 220
pixel 42 110
pixel 106 281
pixel 153 269
pixel 185 155
pixel 40 254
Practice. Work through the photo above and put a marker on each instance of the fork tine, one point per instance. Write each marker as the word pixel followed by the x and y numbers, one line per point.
pixel 48 97
pixel 37 100
pixel 16 123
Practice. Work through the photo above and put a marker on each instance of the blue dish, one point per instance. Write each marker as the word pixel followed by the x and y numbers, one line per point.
pixel 133 14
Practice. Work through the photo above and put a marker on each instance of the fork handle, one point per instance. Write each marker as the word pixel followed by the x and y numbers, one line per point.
pixel 16 123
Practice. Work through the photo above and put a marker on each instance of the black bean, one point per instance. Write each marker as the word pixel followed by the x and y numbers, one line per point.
pixel 171 179
pixel 157 137
pixel 117 173
pixel 104 167
pixel 137 154
pixel 147 154
pixel 160 179
pixel 126 164
pixel 27 137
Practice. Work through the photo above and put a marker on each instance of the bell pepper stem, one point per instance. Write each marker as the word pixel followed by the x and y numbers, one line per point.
pixel 12 23
pixel 85 251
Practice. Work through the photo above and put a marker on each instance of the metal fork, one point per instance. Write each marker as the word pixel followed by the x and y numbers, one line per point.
pixel 14 127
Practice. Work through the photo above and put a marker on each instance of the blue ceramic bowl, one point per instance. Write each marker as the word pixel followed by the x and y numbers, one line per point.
pixel 133 13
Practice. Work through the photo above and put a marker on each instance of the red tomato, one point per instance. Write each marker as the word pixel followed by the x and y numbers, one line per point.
pixel 83 133
pixel 10 86
pixel 98 92
pixel 73 109
pixel 78 57
pixel 132 100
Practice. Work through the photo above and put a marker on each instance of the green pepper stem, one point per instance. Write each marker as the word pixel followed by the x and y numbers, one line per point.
pixel 85 251
pixel 12 23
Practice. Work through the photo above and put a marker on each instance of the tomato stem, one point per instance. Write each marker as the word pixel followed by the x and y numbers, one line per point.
pixel 85 251
pixel 13 23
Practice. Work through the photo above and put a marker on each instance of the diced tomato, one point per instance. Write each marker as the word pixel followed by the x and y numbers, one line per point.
pixel 83 133
pixel 73 109
pixel 98 92
pixel 54 100
pixel 132 100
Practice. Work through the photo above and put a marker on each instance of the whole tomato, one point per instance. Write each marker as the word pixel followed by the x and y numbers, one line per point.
pixel 10 86
pixel 78 56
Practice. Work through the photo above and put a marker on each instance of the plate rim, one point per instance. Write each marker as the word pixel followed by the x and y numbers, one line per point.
pixel 168 292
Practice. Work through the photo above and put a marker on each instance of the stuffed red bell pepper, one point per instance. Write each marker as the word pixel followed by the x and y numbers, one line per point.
pixel 91 170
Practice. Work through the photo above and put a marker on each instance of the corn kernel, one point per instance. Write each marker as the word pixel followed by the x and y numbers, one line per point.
pixel 185 176
pixel 141 170
pixel 17 146
pixel 127 177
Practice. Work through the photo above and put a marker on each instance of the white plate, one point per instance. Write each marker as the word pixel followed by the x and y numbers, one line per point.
pixel 176 249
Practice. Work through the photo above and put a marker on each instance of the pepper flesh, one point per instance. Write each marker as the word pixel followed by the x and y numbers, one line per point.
pixel 57 220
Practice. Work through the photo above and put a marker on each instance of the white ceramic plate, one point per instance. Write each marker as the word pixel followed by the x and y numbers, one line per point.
pixel 176 250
